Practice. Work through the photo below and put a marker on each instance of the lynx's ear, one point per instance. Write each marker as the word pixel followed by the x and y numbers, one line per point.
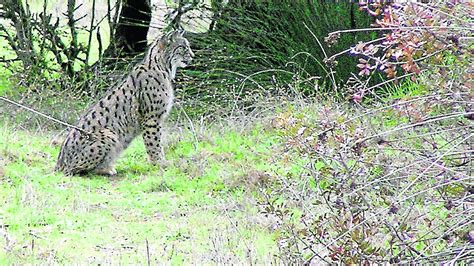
pixel 170 37
pixel 177 34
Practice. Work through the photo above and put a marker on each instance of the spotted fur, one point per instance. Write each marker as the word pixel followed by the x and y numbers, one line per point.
pixel 138 105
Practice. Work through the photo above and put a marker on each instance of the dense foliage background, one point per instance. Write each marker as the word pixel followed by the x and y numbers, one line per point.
pixel 273 43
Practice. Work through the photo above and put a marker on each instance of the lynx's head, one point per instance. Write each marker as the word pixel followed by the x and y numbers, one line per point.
pixel 170 52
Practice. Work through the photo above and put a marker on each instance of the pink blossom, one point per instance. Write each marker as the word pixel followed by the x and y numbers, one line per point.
pixel 365 67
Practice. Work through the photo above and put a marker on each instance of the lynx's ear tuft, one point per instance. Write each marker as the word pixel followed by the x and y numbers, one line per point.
pixel 177 34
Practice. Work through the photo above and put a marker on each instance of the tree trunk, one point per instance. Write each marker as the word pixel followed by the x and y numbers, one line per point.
pixel 129 37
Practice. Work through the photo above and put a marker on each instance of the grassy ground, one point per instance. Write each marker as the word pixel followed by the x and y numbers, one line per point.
pixel 197 209
pixel 236 191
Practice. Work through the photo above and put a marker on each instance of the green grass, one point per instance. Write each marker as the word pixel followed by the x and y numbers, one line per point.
pixel 229 193
pixel 4 83
pixel 186 212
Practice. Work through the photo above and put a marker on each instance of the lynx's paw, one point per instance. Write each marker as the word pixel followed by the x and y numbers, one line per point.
pixel 106 171
pixel 162 162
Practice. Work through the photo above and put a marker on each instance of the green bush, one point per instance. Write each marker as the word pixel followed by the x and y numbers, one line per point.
pixel 262 45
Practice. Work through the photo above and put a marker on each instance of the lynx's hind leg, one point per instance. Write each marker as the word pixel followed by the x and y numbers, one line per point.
pixel 96 154
pixel 109 148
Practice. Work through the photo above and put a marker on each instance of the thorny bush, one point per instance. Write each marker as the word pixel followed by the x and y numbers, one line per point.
pixel 377 187
pixel 416 36
pixel 392 183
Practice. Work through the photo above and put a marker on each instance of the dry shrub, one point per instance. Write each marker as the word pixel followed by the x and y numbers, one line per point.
pixel 393 182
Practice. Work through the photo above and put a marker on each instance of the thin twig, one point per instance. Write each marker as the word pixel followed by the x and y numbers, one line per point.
pixel 436 9
pixel 373 215
pixel 331 72
pixel 193 130
pixel 401 28
pixel 3 60
pixel 91 29
pixel 44 115
pixel 147 250
pixel 389 81
pixel 429 120
pixel 432 164
pixel 383 108
pixel 349 49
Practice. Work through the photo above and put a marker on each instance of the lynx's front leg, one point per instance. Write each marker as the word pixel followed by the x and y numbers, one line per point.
pixel 152 132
